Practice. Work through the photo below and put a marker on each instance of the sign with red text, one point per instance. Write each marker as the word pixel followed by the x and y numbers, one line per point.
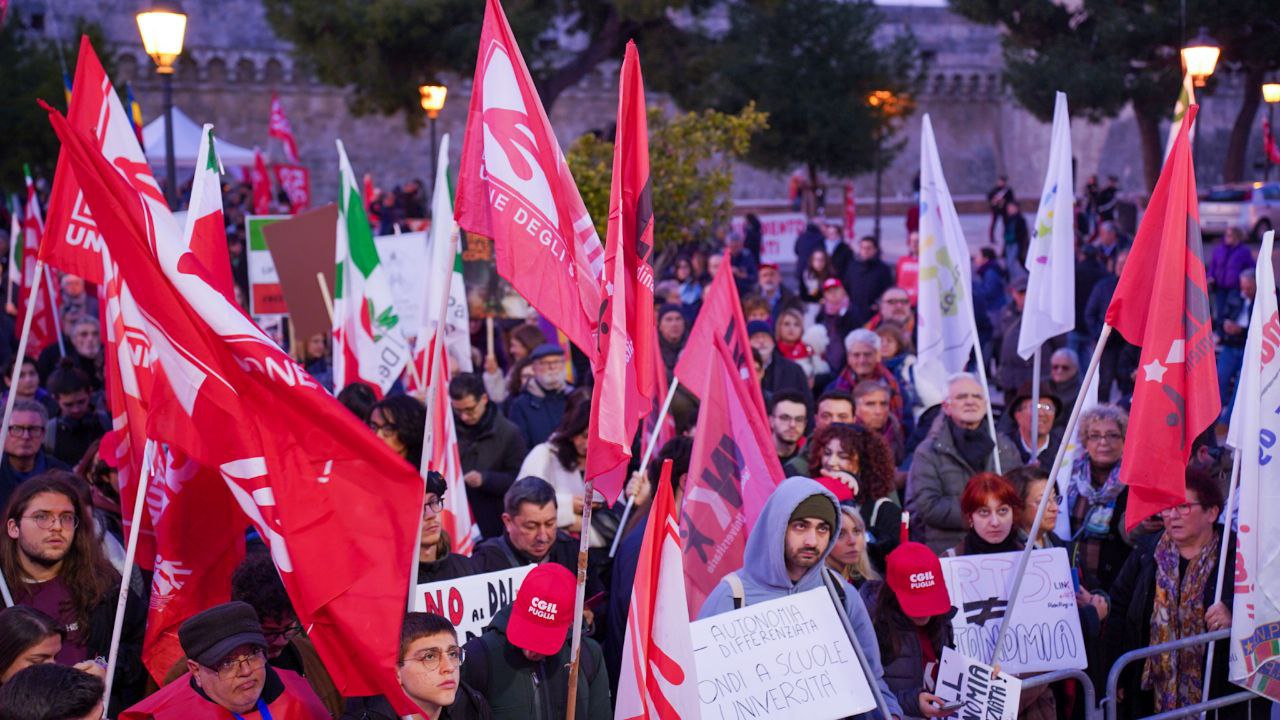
pixel 471 602
pixel 778 234
pixel 788 657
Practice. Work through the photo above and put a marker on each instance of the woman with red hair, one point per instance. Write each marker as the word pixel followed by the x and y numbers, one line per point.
pixel 857 465
pixel 990 508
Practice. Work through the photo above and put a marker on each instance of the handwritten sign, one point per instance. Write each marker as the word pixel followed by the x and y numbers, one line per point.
pixel 403 257
pixel 1044 633
pixel 982 697
pixel 788 657
pixel 471 602
pixel 778 237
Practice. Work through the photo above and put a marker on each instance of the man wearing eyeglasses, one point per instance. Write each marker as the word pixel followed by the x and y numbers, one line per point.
pixel 24 454
pixel 227 672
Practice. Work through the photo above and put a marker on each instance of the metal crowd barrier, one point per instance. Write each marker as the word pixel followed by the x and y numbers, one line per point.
pixel 1090 695
pixel 1113 678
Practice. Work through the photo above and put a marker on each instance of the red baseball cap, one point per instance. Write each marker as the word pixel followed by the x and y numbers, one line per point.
pixel 771 266
pixel 915 576
pixel 831 283
pixel 543 610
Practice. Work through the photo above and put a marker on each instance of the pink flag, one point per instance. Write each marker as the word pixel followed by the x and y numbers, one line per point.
pixel 295 180
pixel 279 128
pixel 514 186
pixel 658 679
pixel 731 475
pixel 44 323
pixel 261 184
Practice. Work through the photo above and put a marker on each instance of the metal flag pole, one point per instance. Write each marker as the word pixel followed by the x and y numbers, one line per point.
pixel 644 463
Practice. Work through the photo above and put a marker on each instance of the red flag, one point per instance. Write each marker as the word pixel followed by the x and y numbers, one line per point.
pixel 658 679
pixel 660 388
pixel 44 322
pixel 1269 143
pixel 1161 303
pixel 731 474
pixel 95 109
pixel 624 387
pixel 294 460
pixel 514 186
pixel 261 184
pixel 295 180
pixel 279 128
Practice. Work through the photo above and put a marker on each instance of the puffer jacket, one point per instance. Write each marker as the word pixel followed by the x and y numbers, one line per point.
pixel 903 673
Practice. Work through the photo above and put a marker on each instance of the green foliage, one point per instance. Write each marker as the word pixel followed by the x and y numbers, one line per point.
pixel 690 169
pixel 810 65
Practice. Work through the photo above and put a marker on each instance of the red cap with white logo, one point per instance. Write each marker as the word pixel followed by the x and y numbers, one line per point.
pixel 915 576
pixel 543 610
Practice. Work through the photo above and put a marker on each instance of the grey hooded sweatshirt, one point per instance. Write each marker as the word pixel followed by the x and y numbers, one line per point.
pixel 764 575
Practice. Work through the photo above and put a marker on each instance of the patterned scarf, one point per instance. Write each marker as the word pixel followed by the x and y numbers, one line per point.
pixel 1176 679
pixel 1082 484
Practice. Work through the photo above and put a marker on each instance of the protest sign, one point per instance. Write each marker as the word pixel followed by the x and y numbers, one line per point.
pixel 778 237
pixel 302 247
pixel 788 657
pixel 265 296
pixel 471 602
pixel 982 697
pixel 403 257
pixel 1044 633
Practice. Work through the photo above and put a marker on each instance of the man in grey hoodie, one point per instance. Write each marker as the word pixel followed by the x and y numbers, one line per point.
pixel 786 554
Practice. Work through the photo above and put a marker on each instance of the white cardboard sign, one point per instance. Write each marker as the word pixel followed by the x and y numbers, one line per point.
pixel 403 258
pixel 788 657
pixel 981 697
pixel 1045 631
pixel 471 602
pixel 778 237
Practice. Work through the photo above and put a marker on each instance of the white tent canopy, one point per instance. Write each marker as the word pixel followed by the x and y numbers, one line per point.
pixel 186 143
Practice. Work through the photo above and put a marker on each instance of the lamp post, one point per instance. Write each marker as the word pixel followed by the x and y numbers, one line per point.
pixel 1270 94
pixel 162 28
pixel 1200 57
pixel 884 103
pixel 433 102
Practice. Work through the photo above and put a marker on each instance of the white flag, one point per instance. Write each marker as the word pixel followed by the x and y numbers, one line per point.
pixel 1255 425
pixel 1050 308
pixel 1186 96
pixel 946 328
pixel 442 262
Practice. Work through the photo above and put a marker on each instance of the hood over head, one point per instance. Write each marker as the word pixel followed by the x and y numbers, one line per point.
pixel 763 560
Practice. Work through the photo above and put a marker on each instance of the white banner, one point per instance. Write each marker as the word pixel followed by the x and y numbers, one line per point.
pixel 1045 631
pixel 471 602
pixel 778 234
pixel 403 258
pixel 968 683
pixel 788 657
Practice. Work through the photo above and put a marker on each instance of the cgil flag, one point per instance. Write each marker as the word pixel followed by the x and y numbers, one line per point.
pixel 514 186
pixel 1255 615
pixel 292 458
pixel 1186 98
pixel 33 289
pixel 946 327
pixel 1051 262
pixel 369 343
pixel 1161 304
pixel 278 127
pixel 658 680
pixel 624 388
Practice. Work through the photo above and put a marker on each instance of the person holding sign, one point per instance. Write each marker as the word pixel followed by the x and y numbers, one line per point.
pixel 786 554
pixel 910 610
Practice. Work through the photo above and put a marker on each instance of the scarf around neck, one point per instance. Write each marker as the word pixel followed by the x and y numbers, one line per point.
pixel 1082 484
pixel 974 445
pixel 1177 679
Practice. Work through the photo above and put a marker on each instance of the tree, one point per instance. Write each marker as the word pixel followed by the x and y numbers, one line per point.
pixel 384 49
pixel 690 158
pixel 810 65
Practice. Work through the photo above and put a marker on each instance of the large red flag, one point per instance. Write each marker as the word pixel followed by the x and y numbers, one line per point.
pixel 731 474
pixel 1162 304
pixel 514 186
pixel 295 180
pixel 278 127
pixel 294 460
pixel 624 387
pixel 95 109
pixel 658 679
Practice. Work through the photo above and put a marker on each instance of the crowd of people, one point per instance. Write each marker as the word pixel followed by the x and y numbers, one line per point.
pixel 860 441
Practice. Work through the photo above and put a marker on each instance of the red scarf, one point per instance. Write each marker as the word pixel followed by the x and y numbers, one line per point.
pixel 793 351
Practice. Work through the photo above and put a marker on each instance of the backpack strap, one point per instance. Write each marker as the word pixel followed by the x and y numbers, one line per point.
pixel 735 585
pixel 875 509
pixel 838 582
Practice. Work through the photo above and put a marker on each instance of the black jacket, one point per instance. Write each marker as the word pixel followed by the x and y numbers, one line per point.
pixel 10 479
pixel 467 705
pixel 537 413
pixel 499 554
pixel 865 281
pixel 783 375
pixel 494 448
pixel 449 567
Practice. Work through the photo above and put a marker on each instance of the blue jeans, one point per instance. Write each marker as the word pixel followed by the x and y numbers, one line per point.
pixel 1230 359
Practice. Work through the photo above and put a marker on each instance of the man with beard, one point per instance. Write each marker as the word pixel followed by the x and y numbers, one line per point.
pixel 490 448
pixel 538 410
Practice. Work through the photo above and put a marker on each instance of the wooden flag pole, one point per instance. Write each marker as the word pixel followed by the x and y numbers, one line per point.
pixel 579 598
pixel 324 292
pixel 1044 499
pixel 130 555
pixel 21 355
pixel 488 329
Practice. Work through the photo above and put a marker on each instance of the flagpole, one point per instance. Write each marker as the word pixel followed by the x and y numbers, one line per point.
pixel 130 555
pixel 1025 555
pixel 644 462
pixel 57 316
pixel 986 388
pixel 584 540
pixel 22 353
pixel 857 648
pixel 1035 405
pixel 324 293
pixel 1226 518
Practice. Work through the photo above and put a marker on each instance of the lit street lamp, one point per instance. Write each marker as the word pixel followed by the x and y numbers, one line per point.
pixel 1271 94
pixel 433 102
pixel 1200 57
pixel 163 28
pixel 886 104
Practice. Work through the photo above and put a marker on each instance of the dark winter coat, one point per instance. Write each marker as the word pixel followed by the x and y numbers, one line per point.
pixel 493 447
pixel 537 412
pixel 903 673
pixel 467 705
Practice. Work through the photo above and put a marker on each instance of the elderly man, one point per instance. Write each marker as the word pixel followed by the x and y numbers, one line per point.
pixel 1048 437
pixel 779 296
pixel 1064 382
pixel 228 674
pixel 538 410
pixel 862 363
pixel 957 448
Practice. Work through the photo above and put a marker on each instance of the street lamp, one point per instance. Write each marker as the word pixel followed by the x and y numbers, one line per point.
pixel 433 102
pixel 1200 57
pixel 163 28
pixel 885 103
pixel 1271 94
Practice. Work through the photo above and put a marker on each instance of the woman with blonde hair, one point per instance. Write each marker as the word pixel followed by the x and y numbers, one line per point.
pixel 849 556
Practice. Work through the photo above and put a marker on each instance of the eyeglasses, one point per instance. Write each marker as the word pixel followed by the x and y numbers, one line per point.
pixel 230 667
pixel 1111 437
pixel 288 632
pixel 1182 510
pixel 381 428
pixel 431 657
pixel 435 506
pixel 26 430
pixel 46 520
